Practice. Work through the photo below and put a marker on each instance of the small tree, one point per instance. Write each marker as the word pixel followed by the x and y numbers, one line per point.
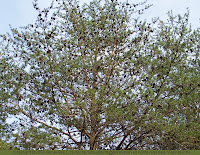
pixel 92 77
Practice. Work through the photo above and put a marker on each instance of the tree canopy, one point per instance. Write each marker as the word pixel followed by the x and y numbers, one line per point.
pixel 97 77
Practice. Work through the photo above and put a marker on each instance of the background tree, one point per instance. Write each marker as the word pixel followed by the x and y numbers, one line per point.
pixel 93 77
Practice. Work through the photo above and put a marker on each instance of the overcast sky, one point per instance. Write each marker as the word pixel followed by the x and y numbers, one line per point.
pixel 20 12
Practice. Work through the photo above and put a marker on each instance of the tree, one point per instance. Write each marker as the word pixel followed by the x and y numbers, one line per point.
pixel 93 77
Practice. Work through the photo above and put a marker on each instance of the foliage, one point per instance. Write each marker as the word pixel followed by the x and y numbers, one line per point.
pixel 4 146
pixel 94 77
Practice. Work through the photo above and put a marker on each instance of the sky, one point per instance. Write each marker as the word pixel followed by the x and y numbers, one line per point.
pixel 19 13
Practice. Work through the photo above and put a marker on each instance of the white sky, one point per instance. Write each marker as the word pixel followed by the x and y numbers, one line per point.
pixel 20 12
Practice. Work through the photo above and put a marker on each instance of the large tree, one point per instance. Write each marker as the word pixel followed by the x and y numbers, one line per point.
pixel 96 77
